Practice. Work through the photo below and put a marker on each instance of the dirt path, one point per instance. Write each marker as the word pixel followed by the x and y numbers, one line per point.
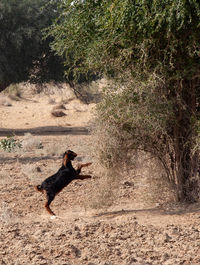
pixel 132 230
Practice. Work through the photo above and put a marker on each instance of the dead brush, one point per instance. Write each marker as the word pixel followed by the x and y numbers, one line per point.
pixel 50 149
pixel 53 150
pixel 153 187
pixel 31 142
pixel 152 184
pixel 103 191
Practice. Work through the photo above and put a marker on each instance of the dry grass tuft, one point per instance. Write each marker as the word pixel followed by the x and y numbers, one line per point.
pixel 104 190
pixel 31 142
pixel 53 150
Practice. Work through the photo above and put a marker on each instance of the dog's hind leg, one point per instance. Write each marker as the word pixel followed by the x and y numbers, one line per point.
pixel 49 200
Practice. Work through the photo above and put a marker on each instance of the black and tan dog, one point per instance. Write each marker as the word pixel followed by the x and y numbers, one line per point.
pixel 66 174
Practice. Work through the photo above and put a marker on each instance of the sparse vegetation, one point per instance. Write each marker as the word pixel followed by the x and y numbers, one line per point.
pixel 104 190
pixel 10 144
pixel 54 150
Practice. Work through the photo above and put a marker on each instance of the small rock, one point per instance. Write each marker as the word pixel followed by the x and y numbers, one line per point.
pixel 38 169
pixel 58 113
pixel 76 251
pixel 128 184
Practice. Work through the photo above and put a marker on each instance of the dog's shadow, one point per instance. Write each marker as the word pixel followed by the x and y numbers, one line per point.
pixel 179 210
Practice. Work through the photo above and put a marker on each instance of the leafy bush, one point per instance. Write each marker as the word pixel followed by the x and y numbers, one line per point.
pixel 10 144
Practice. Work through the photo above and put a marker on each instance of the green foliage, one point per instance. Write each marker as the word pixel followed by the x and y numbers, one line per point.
pixel 72 35
pixel 23 52
pixel 10 144
pixel 126 34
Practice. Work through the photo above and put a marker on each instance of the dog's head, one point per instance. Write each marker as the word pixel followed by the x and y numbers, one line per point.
pixel 69 155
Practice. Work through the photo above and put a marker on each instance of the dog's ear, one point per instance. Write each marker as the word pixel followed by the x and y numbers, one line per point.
pixel 71 153
pixel 65 153
pixel 65 158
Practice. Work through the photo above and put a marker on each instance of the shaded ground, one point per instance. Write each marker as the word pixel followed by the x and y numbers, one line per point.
pixel 45 130
pixel 134 229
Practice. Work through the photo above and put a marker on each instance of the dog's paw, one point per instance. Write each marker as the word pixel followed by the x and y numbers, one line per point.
pixel 88 164
pixel 53 217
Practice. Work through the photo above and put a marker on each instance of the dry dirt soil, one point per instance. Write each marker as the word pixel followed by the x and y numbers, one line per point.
pixel 97 222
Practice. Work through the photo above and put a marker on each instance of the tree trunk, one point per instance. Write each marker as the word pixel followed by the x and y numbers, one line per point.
pixel 186 159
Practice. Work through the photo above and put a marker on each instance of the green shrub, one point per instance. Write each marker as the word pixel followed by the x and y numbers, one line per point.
pixel 10 144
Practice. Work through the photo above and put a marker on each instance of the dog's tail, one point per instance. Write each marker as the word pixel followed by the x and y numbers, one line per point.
pixel 39 188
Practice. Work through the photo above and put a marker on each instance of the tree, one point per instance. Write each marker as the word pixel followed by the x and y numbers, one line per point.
pixel 153 49
pixel 24 54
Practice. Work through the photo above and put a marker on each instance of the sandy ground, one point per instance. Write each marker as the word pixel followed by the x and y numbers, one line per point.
pixel 134 227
